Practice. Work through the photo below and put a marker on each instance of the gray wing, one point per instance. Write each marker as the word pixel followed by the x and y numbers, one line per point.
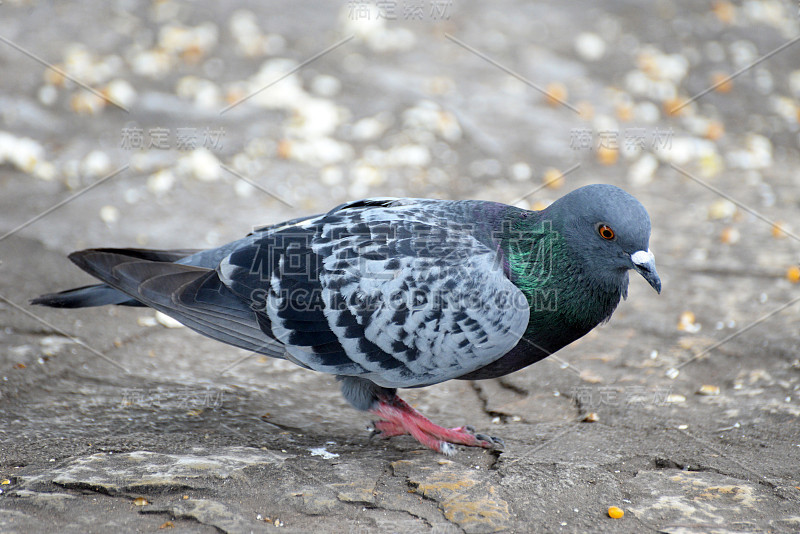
pixel 397 292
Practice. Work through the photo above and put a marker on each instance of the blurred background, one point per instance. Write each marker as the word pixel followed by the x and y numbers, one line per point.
pixel 185 124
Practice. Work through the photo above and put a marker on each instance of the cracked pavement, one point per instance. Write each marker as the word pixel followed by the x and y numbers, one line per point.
pixel 649 412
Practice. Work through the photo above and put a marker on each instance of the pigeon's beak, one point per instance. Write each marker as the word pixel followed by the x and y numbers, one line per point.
pixel 645 263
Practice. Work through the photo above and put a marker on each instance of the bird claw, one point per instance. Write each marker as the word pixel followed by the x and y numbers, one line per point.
pixel 372 430
pixel 492 441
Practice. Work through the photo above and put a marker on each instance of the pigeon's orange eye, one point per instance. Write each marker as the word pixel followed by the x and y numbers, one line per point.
pixel 605 231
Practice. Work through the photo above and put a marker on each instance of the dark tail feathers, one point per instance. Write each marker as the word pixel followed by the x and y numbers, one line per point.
pixel 101 294
pixel 86 297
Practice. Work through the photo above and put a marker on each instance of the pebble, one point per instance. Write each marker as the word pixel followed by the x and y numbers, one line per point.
pixel 687 323
pixel 166 320
pixel 121 92
pixel 721 208
pixel 779 230
pixel 743 53
pixel 24 153
pixel 757 153
pixel 730 235
pixel 556 94
pixel 521 171
pixel 205 93
pixel 86 103
pixel 200 164
pixel 96 164
pixel 590 46
pixel 325 85
pixel 152 63
pixel 429 116
pixel 146 321
pixel 553 178
pixel 250 41
pixel 161 181
pixel 708 390
pixel 189 42
pixel 47 94
pixel 672 373
pixel 109 214
pixel 641 172
pixel 370 128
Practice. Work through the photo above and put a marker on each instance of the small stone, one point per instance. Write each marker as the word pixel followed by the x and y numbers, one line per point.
pixel 687 323
pixel 793 274
pixel 521 171
pixel 642 172
pixel 721 209
pixel 708 390
pixel 44 170
pixel 779 230
pixel 672 373
pixel 590 417
pixel 86 103
pixel 96 164
pixel 167 321
pixel 674 107
pixel 714 130
pixel 590 46
pixel 109 214
pixel 724 11
pixel 140 501
pixel 624 111
pixel 161 182
pixel 553 178
pixel 556 94
pixel 120 92
pixel 722 82
pixel 730 235
pixel 201 164
pixel 615 512
pixel 607 155
pixel 325 85
pixel 675 398
pixel 48 94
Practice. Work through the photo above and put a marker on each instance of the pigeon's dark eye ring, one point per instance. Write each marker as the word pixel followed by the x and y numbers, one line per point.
pixel 605 232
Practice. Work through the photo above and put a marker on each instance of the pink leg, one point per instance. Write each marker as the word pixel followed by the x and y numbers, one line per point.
pixel 398 418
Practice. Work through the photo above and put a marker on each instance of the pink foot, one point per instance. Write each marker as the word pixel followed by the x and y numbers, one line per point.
pixel 398 418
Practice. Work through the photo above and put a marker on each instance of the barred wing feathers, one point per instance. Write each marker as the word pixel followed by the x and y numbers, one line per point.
pixel 397 291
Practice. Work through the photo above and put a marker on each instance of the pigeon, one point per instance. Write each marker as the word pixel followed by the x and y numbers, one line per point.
pixel 388 293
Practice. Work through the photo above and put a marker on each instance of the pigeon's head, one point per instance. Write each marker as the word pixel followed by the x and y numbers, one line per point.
pixel 610 231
